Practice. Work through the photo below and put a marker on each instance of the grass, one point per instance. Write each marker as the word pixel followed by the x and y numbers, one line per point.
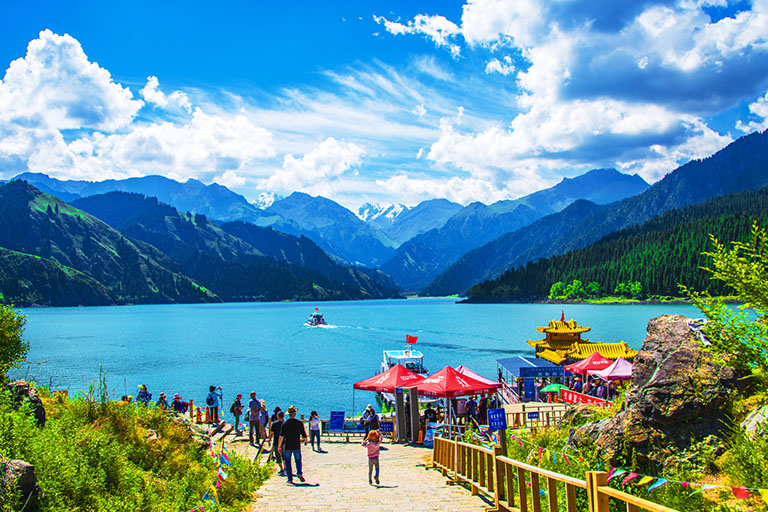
pixel 98 455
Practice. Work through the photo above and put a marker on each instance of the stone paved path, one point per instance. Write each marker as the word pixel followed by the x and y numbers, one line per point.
pixel 338 481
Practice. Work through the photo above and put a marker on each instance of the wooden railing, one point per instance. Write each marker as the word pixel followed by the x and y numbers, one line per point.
pixel 548 414
pixel 515 486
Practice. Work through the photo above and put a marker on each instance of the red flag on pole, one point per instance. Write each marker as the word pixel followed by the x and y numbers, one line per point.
pixel 410 339
pixel 562 316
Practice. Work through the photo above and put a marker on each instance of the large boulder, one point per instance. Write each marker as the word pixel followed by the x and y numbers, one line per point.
pixel 22 391
pixel 678 396
pixel 21 475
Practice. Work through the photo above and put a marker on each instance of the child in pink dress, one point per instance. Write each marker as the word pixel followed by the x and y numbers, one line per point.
pixel 373 443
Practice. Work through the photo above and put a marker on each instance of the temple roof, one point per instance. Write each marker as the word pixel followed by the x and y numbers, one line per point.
pixel 554 344
pixel 558 327
pixel 552 356
pixel 581 350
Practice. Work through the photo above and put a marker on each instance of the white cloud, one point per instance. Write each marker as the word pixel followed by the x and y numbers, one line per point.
pixel 55 87
pixel 317 169
pixel 177 100
pixel 497 66
pixel 437 28
pixel 230 179
pixel 420 110
pixel 759 109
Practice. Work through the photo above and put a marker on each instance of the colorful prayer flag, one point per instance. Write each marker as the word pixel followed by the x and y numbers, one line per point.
pixel 616 473
pixel 763 494
pixel 629 477
pixel 222 474
pixel 410 339
pixel 566 459
pixel 645 480
pixel 740 492
pixel 703 488
pixel 224 459
pixel 659 483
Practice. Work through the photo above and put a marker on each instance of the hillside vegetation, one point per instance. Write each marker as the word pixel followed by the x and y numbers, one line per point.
pixel 657 255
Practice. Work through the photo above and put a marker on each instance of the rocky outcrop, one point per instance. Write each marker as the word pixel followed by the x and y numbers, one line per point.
pixel 21 475
pixel 678 396
pixel 22 391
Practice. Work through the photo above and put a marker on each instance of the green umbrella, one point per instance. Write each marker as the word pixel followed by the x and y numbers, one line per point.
pixel 552 388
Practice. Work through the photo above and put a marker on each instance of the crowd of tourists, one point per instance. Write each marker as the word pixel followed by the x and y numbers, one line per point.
pixel 282 436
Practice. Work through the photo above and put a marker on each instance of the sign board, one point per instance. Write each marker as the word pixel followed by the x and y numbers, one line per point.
pixel 337 421
pixel 497 419
pixel 571 397
pixel 433 429
pixel 546 371
pixel 386 427
pixel 530 389
pixel 533 415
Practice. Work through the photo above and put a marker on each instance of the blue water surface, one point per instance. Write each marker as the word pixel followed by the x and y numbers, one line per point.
pixel 265 347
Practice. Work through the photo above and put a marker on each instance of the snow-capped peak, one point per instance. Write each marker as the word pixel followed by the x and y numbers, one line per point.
pixel 265 199
pixel 370 212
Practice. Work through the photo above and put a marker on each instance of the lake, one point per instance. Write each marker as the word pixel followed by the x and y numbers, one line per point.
pixel 265 347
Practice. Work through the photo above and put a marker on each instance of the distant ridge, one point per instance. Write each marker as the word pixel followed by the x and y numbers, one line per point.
pixel 658 254
pixel 417 262
pixel 739 166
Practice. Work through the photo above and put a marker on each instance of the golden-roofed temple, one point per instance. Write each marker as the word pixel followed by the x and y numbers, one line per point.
pixel 562 343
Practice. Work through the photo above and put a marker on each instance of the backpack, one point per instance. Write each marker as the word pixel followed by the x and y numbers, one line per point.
pixel 232 407
pixel 209 399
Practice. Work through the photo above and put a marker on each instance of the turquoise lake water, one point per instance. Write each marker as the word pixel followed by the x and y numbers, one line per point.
pixel 265 347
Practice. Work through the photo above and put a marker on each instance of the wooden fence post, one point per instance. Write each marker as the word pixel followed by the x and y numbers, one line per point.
pixel 597 502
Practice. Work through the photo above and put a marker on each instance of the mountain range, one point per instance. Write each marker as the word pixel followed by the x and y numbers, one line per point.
pixel 420 260
pixel 659 254
pixel 739 166
pixel 145 251
pixel 436 247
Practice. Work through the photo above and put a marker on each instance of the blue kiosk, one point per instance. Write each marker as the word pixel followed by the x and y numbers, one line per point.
pixel 527 369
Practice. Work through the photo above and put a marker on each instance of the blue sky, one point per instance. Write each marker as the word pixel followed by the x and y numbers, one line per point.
pixel 377 101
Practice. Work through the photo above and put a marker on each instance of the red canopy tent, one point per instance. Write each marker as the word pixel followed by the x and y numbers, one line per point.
pixel 386 382
pixel 450 383
pixel 466 371
pixel 620 370
pixel 594 362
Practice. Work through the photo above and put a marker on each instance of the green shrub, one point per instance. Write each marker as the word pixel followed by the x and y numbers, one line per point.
pixel 100 456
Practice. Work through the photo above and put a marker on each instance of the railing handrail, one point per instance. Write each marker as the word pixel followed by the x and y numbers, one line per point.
pixel 487 471
pixel 544 472
pixel 634 500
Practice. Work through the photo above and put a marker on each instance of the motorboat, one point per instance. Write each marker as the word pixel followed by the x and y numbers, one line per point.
pixel 315 319
pixel 411 359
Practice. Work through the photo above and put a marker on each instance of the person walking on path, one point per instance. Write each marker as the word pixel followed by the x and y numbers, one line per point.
pixel 263 417
pixel 162 403
pixel 213 401
pixel 314 430
pixel 237 410
pixel 370 419
pixel 291 434
pixel 254 406
pixel 274 453
pixel 373 443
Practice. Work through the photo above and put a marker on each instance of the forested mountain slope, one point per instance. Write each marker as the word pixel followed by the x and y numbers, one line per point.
pixel 742 165
pixel 657 254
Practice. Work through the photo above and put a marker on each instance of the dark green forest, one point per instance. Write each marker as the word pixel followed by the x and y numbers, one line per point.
pixel 658 254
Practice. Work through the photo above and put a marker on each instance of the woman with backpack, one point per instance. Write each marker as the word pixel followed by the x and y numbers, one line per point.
pixel 237 410
pixel 213 400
